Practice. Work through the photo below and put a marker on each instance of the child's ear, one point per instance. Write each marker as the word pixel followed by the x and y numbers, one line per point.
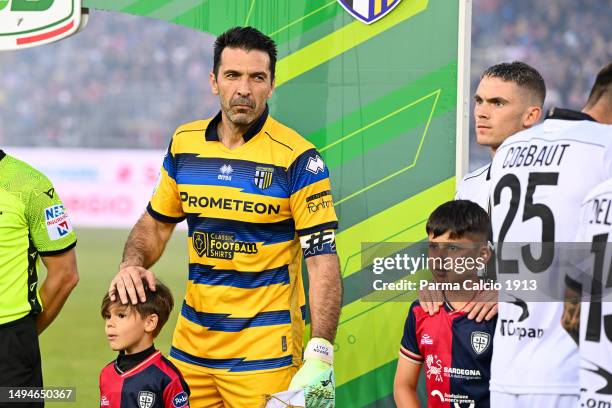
pixel 485 253
pixel 150 323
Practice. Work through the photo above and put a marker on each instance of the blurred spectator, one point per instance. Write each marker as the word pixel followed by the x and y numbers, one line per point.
pixel 127 82
pixel 124 82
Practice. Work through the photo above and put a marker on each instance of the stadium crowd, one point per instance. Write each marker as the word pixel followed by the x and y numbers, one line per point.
pixel 567 43
pixel 150 77
pixel 130 82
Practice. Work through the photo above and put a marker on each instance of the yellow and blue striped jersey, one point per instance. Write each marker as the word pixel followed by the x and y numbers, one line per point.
pixel 246 209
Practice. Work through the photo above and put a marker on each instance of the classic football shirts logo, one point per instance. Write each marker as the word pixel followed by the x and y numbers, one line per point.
pixel 220 245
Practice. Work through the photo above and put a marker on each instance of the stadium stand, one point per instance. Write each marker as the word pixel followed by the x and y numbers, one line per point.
pixel 127 82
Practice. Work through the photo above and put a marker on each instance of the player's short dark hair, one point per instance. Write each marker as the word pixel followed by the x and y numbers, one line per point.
pixel 159 302
pixel 602 85
pixel 246 38
pixel 458 217
pixel 522 74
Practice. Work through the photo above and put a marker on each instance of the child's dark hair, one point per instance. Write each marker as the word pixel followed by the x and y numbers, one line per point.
pixel 246 38
pixel 159 302
pixel 459 217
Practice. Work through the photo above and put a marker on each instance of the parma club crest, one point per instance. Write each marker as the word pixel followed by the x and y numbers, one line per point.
pixel 369 11
pixel 263 177
pixel 480 341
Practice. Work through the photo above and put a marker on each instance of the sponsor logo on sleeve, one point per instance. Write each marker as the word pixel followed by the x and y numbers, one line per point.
pixel 315 165
pixel 180 399
pixel 318 201
pixel 57 221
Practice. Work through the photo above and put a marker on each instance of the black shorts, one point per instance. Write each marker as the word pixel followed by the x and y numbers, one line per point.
pixel 20 358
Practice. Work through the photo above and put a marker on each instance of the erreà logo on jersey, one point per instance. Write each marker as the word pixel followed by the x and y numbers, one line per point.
pixel 369 11
pixel 27 23
pixel 220 245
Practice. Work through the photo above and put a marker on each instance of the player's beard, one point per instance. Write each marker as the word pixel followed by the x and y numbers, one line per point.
pixel 240 116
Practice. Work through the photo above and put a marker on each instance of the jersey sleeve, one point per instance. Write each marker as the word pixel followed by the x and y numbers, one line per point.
pixel 49 226
pixel 312 205
pixel 165 204
pixel 409 347
pixel 176 394
pixel 607 157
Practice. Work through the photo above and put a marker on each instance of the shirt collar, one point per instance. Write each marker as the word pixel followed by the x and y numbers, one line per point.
pixel 126 362
pixel 568 114
pixel 212 135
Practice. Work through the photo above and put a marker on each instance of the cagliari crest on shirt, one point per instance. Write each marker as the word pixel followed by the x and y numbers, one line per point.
pixel 480 341
pixel 146 399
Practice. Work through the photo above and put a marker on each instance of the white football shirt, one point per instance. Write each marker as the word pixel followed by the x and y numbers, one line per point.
pixel 475 187
pixel 539 178
pixel 594 277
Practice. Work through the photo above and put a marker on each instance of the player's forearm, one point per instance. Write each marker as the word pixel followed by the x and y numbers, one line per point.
pixel 406 398
pixel 146 242
pixel 62 277
pixel 325 295
pixel 570 319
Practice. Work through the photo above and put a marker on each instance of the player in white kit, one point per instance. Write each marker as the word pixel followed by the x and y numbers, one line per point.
pixel 593 280
pixel 508 99
pixel 539 179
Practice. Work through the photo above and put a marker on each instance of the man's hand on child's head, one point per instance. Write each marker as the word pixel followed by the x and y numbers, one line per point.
pixel 128 284
pixel 430 300
pixel 483 306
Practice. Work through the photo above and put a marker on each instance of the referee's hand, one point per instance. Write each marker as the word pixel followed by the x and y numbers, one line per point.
pixel 128 284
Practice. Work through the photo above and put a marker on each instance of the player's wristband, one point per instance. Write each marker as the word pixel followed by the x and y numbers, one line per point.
pixel 319 349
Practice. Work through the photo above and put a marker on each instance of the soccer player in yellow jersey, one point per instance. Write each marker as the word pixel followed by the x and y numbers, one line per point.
pixel 256 196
